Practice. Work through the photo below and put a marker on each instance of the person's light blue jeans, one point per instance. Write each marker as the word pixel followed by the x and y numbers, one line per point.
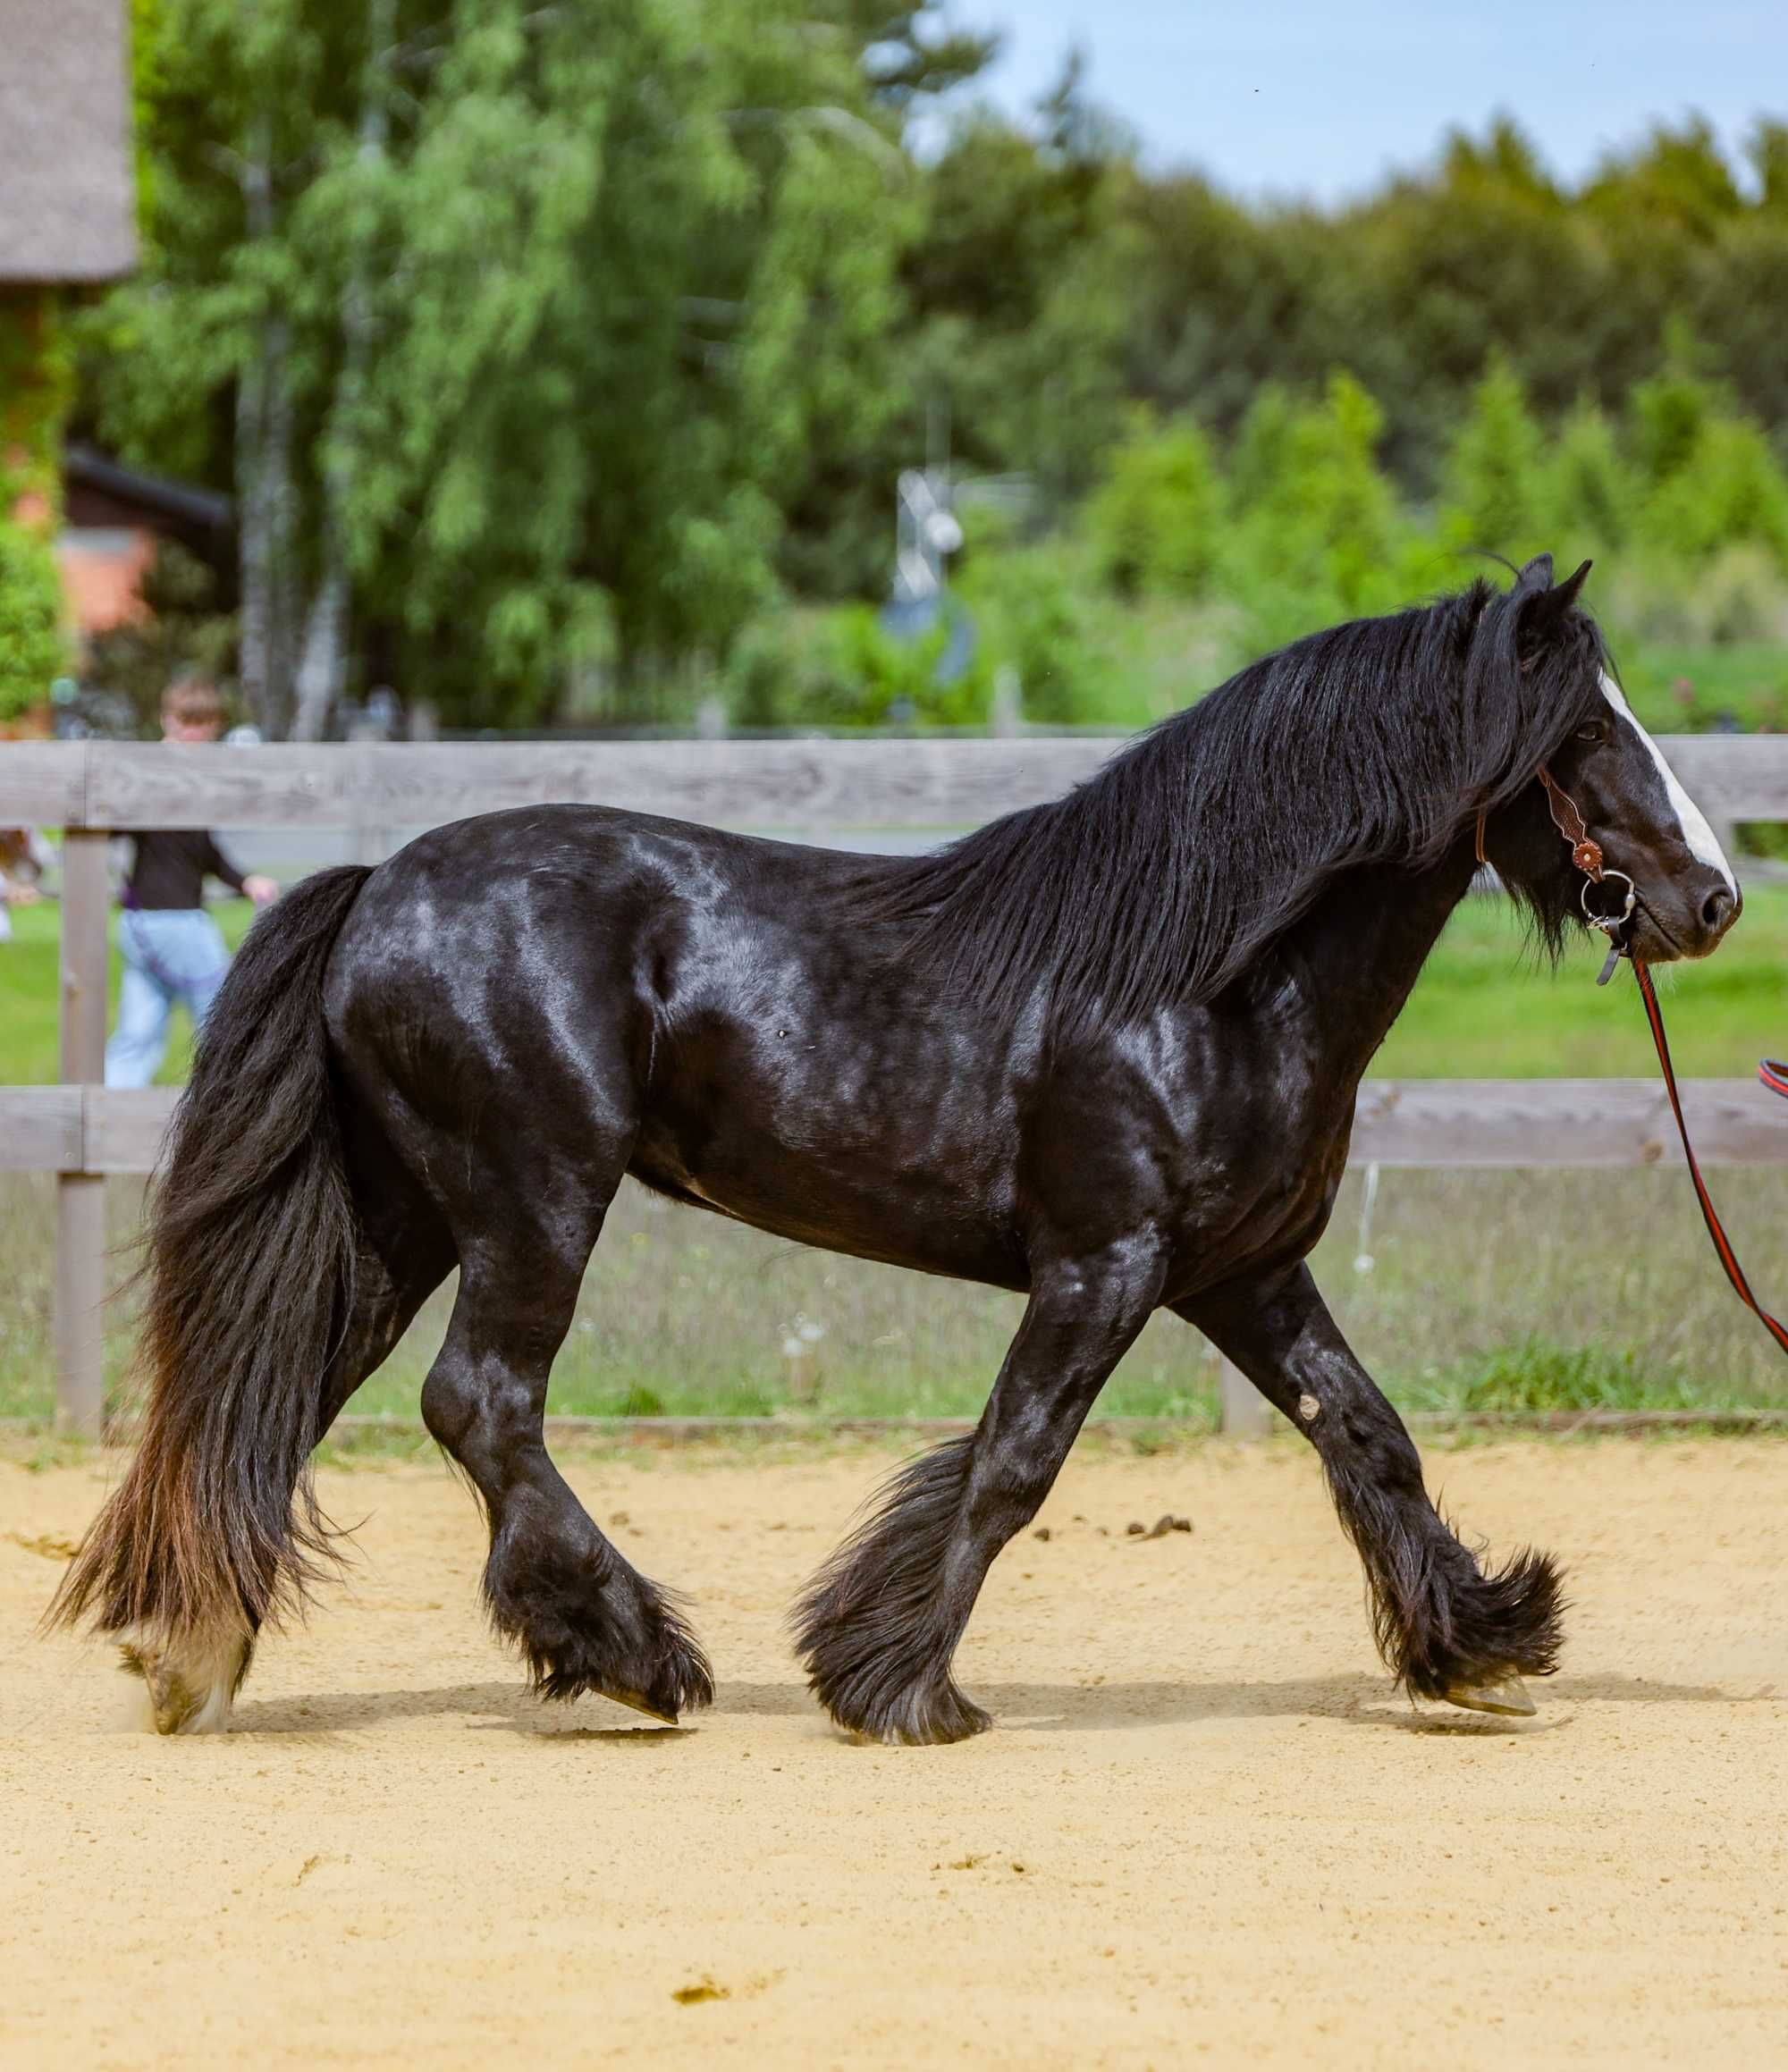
pixel 175 954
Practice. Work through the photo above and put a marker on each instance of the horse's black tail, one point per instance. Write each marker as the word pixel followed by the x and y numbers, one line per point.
pixel 251 1255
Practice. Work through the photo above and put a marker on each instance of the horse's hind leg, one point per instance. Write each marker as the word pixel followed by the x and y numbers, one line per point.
pixel 1446 1628
pixel 880 1623
pixel 583 1618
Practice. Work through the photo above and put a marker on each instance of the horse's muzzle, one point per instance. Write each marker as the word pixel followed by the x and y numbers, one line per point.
pixel 1687 917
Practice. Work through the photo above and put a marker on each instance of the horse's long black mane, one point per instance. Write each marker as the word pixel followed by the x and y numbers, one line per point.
pixel 1164 877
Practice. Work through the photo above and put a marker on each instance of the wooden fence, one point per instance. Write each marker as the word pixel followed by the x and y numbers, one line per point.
pixel 82 1132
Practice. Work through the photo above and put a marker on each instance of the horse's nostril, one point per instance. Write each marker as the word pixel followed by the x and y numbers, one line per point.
pixel 1716 910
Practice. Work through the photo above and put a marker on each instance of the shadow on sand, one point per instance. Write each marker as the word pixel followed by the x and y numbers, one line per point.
pixel 1356 1700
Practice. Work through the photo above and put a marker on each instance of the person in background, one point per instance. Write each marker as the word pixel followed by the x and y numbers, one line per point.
pixel 26 859
pixel 172 948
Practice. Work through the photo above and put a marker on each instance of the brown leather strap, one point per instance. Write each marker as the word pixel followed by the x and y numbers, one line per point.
pixel 1586 854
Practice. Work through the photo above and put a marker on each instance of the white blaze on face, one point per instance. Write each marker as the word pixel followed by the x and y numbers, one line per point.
pixel 1702 843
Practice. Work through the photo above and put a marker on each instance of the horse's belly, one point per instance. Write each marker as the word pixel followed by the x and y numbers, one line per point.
pixel 845 1146
pixel 867 1212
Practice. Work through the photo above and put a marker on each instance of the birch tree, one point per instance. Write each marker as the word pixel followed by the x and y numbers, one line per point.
pixel 513 328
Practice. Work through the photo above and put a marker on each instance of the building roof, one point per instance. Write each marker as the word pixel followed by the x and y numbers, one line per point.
pixel 99 491
pixel 67 181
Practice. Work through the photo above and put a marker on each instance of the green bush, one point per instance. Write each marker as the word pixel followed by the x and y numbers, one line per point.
pixel 1492 491
pixel 1319 534
pixel 1035 615
pixel 1668 415
pixel 1728 487
pixel 33 646
pixel 1588 492
pixel 1156 522
pixel 1263 454
pixel 844 668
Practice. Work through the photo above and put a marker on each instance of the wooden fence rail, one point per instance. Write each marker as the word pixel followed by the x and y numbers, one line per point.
pixel 785 783
pixel 82 1132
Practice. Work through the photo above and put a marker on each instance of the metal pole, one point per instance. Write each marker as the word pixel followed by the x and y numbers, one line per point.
pixel 1245 1413
pixel 80 1196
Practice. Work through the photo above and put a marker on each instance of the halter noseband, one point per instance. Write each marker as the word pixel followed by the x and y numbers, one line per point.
pixel 1586 854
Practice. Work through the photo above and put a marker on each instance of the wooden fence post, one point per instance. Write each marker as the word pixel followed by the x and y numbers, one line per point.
pixel 1244 1412
pixel 80 1196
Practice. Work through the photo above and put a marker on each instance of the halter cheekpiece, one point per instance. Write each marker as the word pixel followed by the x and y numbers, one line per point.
pixel 1586 854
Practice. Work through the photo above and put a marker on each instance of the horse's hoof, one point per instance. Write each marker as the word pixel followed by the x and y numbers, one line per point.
pixel 1508 1697
pixel 929 1717
pixel 637 1701
pixel 191 1685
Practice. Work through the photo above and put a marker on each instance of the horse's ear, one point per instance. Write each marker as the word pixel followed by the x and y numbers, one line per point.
pixel 1565 594
pixel 1543 608
pixel 1536 576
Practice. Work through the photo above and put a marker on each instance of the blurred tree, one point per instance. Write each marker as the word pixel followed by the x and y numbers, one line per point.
pixel 914 54
pixel 1481 258
pixel 1588 495
pixel 1491 488
pixel 1728 488
pixel 1016 282
pixel 1217 299
pixel 544 347
pixel 34 647
pixel 1322 527
pixel 182 631
pixel 514 328
pixel 1156 521
pixel 1670 412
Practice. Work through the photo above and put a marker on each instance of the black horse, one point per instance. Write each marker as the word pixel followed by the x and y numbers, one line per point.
pixel 1104 1051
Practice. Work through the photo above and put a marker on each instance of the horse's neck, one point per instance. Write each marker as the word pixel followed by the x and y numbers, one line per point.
pixel 1363 946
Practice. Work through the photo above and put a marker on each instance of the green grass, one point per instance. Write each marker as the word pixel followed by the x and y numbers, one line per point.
pixel 1485 1007
pixel 1540 1374
pixel 1676 690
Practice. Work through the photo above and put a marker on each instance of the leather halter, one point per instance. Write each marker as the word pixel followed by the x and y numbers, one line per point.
pixel 1586 854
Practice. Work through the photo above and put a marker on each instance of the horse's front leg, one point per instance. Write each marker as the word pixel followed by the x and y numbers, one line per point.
pixel 880 1623
pixel 1446 1628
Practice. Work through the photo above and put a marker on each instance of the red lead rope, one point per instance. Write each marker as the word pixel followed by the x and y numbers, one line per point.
pixel 1773 1075
pixel 1587 855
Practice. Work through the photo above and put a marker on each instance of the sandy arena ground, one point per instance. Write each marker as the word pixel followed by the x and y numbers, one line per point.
pixel 1204 1831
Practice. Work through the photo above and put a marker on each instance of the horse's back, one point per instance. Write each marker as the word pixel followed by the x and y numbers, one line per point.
pixel 549 976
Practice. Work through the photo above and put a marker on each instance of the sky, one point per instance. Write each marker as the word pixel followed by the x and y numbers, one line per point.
pixel 1308 99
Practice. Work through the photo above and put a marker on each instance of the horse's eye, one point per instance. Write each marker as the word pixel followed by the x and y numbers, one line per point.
pixel 1595 731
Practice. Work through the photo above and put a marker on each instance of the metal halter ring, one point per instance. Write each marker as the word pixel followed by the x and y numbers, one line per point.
pixel 1610 924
